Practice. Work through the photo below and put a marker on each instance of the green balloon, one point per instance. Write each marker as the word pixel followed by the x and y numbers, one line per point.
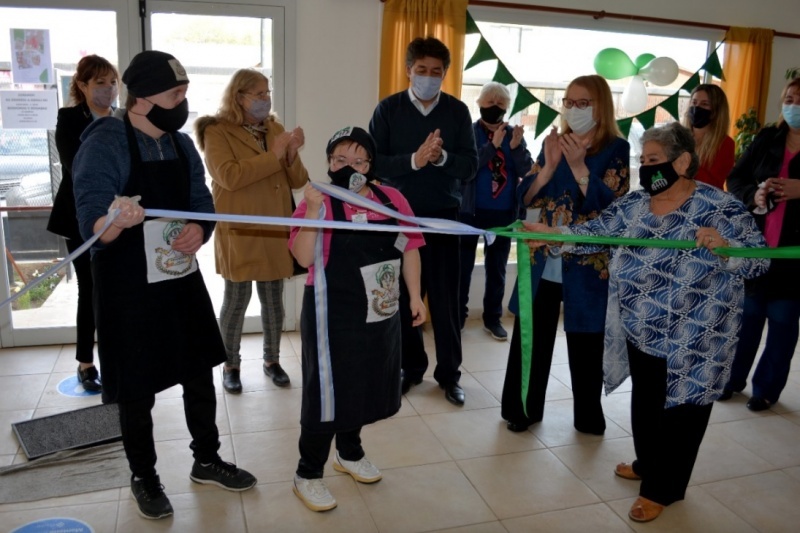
pixel 614 64
pixel 643 59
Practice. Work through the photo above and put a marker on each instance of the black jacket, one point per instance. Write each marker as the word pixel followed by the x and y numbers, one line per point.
pixel 763 160
pixel 71 123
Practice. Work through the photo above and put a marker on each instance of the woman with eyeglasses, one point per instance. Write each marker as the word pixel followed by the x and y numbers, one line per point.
pixel 577 174
pixel 93 91
pixel 254 165
pixel 708 118
pixel 352 377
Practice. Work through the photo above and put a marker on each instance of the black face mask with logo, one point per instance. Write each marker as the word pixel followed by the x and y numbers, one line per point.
pixel 656 179
pixel 348 178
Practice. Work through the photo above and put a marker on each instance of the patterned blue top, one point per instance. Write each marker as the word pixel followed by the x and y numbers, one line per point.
pixel 681 305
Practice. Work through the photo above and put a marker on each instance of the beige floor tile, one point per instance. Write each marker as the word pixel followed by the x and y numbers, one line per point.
pixel 400 442
pixel 486 355
pixel 8 439
pixel 217 510
pixel 769 502
pixel 789 401
pixel 487 527
pixel 252 412
pixel 51 397
pixel 793 471
pixel 733 410
pixel 793 417
pixel 66 359
pixel 406 409
pixel 699 512
pixel 492 381
pixel 428 398
pixel 100 516
pixel 21 392
pixel 169 419
pixel 597 518
pixel 86 498
pixel 424 498
pixel 721 458
pixel 524 483
pixel 478 433
pixel 556 429
pixel 593 463
pixel 558 385
pixel 274 507
pixel 252 346
pixel 617 409
pixel 6 460
pixel 770 437
pixel 271 456
pixel 29 360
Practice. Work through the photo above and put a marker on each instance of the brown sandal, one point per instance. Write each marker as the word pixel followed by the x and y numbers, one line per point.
pixel 625 470
pixel 644 510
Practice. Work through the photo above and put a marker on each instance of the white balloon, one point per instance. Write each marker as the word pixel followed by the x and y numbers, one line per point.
pixel 660 71
pixel 634 97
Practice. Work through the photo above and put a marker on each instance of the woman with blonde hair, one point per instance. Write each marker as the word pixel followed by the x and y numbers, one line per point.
pixel 708 118
pixel 576 175
pixel 254 165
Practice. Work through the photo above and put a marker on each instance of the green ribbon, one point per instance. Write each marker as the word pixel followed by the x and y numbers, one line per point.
pixel 524 273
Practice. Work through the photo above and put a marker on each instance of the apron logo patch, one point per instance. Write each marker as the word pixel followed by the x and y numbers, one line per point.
pixel 163 262
pixel 382 283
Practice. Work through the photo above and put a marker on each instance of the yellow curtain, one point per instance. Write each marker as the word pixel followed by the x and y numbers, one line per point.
pixel 405 20
pixel 748 60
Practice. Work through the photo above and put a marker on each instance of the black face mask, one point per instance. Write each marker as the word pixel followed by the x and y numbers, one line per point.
pixel 348 178
pixel 699 117
pixel 492 115
pixel 656 179
pixel 169 120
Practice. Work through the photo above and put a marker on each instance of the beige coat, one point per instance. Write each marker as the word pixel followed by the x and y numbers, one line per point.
pixel 247 181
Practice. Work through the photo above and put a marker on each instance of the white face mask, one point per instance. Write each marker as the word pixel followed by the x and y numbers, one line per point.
pixel 425 87
pixel 580 121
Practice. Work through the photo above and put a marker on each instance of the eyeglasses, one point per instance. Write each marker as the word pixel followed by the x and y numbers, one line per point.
pixel 341 161
pixel 263 95
pixel 580 104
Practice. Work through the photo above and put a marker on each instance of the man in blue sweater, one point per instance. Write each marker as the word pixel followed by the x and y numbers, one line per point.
pixel 426 149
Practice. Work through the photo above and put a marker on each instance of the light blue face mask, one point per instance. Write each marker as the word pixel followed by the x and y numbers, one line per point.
pixel 791 114
pixel 425 87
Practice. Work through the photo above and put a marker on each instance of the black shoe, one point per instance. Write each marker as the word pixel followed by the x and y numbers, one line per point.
pixel 758 404
pixel 726 395
pixel 453 393
pixel 222 474
pixel 231 381
pixel 517 427
pixel 90 379
pixel 150 498
pixel 406 384
pixel 496 331
pixel 278 374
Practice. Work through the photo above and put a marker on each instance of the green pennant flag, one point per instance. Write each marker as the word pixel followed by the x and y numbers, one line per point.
pixel 546 117
pixel 712 66
pixel 691 83
pixel 670 105
pixel 471 26
pixel 624 125
pixel 502 74
pixel 522 101
pixel 482 53
pixel 647 118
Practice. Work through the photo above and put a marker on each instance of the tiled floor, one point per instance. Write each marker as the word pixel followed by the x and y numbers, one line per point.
pixel 445 468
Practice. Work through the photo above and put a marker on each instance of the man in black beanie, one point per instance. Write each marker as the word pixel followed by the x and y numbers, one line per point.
pixel 156 327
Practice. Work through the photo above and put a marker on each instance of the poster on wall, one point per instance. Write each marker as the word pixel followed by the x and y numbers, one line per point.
pixel 29 109
pixel 30 56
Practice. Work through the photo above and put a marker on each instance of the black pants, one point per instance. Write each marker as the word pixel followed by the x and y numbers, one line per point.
pixel 440 279
pixel 315 448
pixel 585 353
pixel 666 440
pixel 200 408
pixel 84 349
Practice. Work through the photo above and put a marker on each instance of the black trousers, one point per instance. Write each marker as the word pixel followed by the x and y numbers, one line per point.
pixel 440 281
pixel 200 408
pixel 666 440
pixel 585 353
pixel 315 448
pixel 84 349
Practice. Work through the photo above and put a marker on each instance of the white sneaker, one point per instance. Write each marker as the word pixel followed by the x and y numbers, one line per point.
pixel 362 470
pixel 314 493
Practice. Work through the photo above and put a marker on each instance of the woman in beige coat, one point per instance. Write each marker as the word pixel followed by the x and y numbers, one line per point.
pixel 254 166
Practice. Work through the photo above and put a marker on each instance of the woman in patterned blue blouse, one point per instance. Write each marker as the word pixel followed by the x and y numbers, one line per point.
pixel 673 315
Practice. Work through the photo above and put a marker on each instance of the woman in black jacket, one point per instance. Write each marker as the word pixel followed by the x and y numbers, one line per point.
pixel 767 180
pixel 93 91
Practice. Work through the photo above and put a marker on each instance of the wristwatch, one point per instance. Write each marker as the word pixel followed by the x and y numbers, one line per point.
pixel 583 181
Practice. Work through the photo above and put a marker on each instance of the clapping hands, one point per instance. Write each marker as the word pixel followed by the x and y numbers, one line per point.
pixel 429 151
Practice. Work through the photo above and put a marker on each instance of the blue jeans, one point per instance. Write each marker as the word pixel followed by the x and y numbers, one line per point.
pixel 783 325
pixel 496 258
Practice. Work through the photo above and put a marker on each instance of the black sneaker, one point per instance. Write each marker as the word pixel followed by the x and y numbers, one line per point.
pixel 90 379
pixel 150 498
pixel 222 474
pixel 496 331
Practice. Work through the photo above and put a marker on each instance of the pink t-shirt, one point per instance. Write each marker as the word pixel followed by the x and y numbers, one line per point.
pixel 415 240
pixel 774 221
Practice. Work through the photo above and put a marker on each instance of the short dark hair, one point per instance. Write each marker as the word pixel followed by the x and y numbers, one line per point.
pixel 428 47
pixel 675 139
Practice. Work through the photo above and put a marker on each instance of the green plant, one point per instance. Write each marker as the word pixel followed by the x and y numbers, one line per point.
pixel 747 125
pixel 792 73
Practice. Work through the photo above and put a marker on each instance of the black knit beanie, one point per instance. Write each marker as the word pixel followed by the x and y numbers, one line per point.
pixel 153 72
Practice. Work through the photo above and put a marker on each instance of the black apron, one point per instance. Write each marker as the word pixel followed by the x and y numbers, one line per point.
pixel 365 356
pixel 151 336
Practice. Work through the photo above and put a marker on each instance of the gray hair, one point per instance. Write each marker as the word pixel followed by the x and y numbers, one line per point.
pixel 497 90
pixel 675 140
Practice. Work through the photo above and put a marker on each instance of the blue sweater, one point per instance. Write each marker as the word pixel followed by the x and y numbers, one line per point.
pixel 399 129
pixel 103 164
